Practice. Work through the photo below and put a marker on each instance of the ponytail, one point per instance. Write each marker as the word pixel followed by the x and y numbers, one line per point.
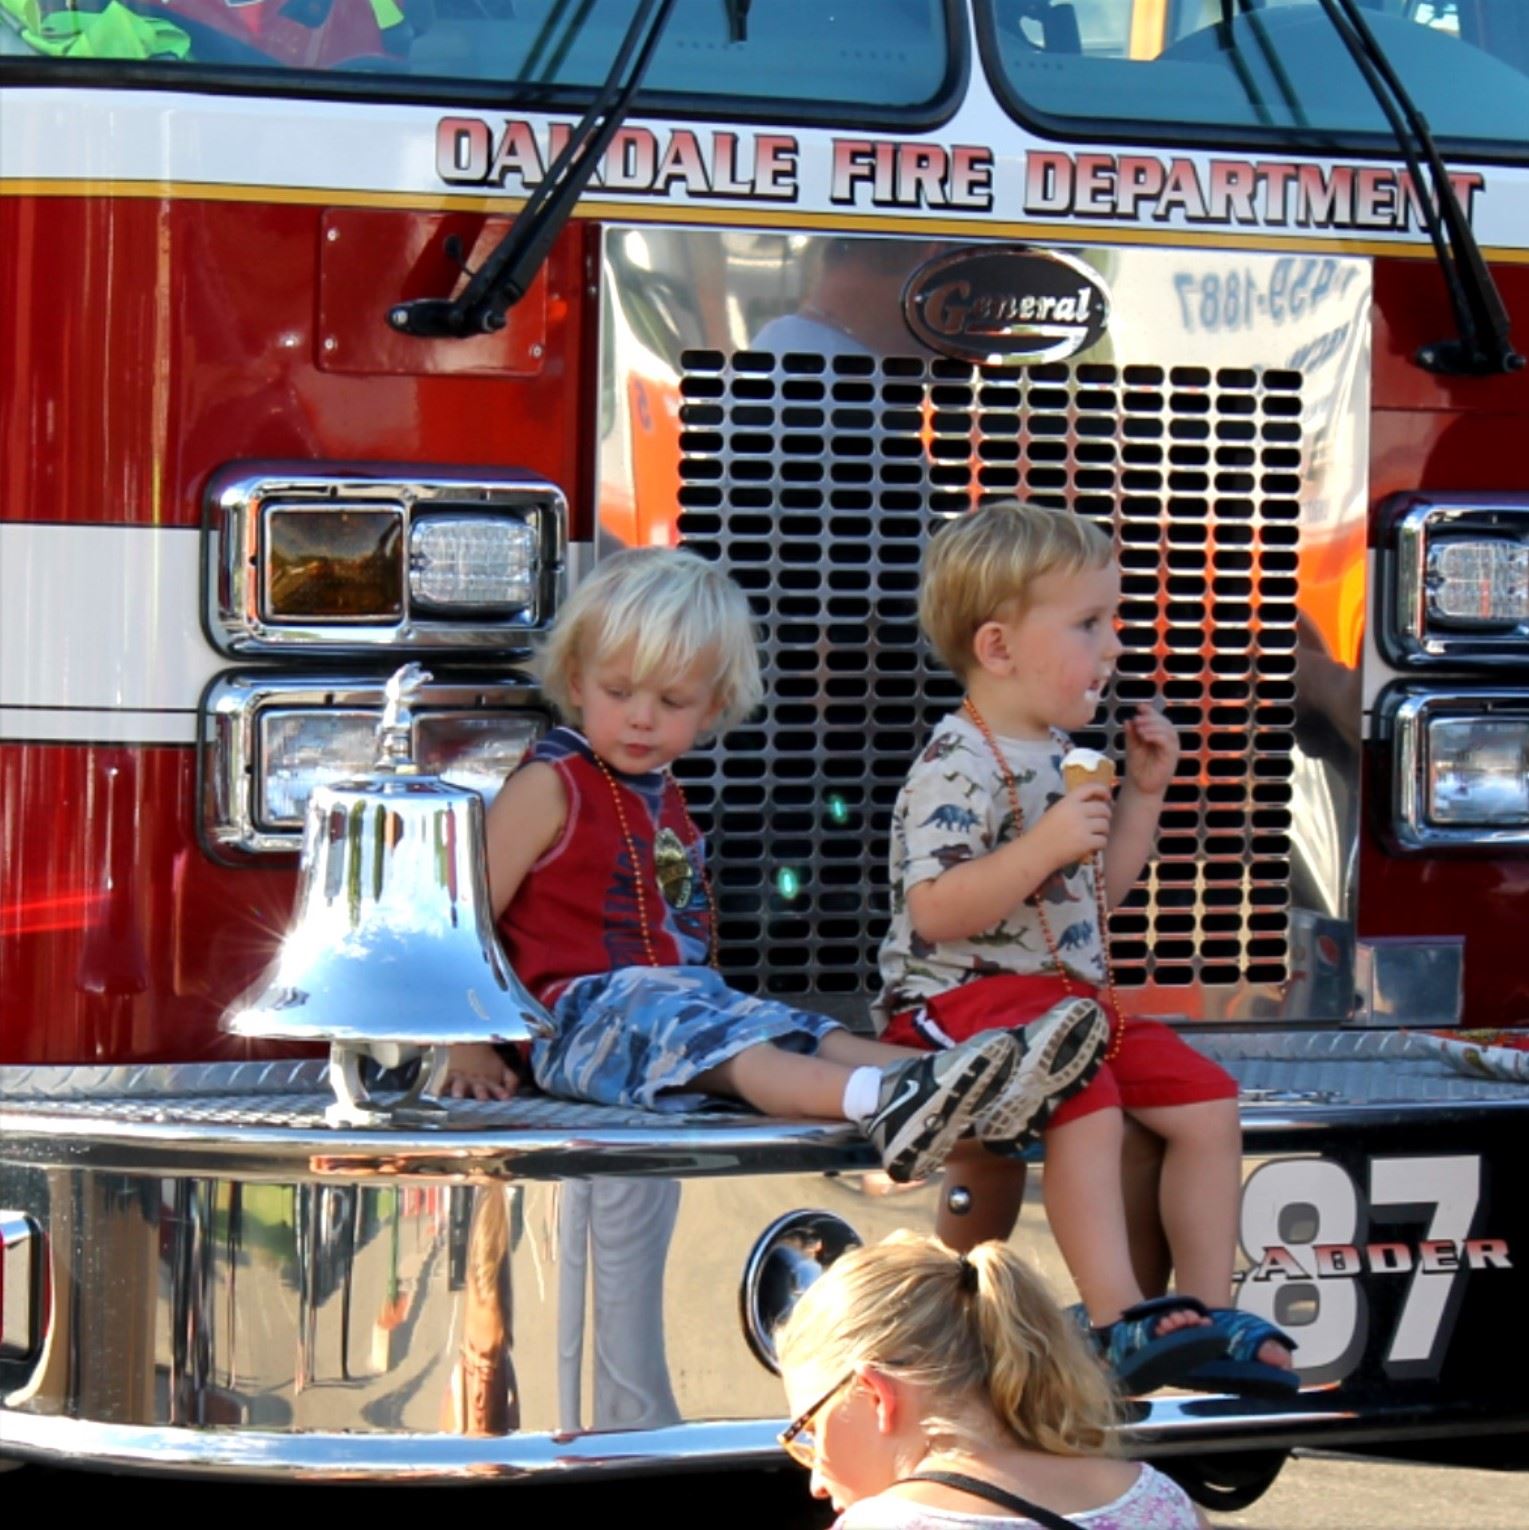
pixel 1043 1379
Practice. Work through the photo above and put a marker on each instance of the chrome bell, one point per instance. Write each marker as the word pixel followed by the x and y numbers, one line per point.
pixel 391 953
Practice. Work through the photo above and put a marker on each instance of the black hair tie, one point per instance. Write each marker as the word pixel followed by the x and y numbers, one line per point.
pixel 968 1275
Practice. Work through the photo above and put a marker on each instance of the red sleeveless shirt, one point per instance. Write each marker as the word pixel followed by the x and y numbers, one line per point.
pixel 575 912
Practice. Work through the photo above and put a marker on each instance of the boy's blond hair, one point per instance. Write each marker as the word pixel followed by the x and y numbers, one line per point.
pixel 968 1332
pixel 990 559
pixel 670 608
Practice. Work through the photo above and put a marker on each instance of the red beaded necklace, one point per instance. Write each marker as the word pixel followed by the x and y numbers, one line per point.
pixel 1012 787
pixel 644 926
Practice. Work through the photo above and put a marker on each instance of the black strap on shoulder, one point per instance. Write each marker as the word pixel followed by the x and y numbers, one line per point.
pixel 1003 1498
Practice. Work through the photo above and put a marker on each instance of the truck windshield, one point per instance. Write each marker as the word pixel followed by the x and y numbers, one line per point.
pixel 1185 69
pixel 893 55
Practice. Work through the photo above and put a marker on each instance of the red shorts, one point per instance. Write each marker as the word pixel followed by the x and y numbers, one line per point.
pixel 1153 1067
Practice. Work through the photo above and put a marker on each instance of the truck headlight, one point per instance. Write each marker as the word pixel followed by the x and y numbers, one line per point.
pixel 333 566
pixel 1478 770
pixel 268 742
pixel 300 750
pixel 358 560
pixel 1455 579
pixel 462 565
pixel 1474 584
pixel 1461 762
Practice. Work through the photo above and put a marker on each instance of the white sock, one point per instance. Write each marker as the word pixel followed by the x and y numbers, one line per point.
pixel 861 1091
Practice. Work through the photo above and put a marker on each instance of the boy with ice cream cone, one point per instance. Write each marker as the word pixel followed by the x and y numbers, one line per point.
pixel 1008 849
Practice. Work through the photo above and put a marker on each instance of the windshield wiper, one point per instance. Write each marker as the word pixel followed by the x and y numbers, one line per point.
pixel 1250 11
pixel 510 268
pixel 1484 343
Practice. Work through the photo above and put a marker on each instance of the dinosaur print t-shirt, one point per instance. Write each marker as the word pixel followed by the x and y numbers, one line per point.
pixel 954 807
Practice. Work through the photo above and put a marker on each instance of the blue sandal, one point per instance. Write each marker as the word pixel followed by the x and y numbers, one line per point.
pixel 1143 1359
pixel 1240 1371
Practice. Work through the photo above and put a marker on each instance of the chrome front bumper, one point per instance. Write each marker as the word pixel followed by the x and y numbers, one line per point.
pixel 540 1288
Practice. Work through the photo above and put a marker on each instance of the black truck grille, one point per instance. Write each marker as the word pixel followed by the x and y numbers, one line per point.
pixel 816 483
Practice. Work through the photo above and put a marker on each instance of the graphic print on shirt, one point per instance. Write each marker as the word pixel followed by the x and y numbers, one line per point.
pixel 671 864
pixel 953 808
pixel 668 872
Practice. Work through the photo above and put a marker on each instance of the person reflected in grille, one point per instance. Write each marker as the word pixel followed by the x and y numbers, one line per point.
pixel 597 876
pixel 851 302
pixel 1008 848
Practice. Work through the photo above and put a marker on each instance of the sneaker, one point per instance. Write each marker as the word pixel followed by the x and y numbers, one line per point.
pixel 926 1103
pixel 1059 1053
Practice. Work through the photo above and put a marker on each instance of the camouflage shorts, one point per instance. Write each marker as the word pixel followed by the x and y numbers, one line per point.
pixel 635 1036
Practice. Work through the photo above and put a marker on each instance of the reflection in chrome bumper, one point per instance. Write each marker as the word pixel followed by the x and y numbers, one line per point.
pixel 1171 1427
pixel 542 1288
pixel 234 1287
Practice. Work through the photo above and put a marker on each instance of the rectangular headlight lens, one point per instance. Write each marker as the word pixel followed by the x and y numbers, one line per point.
pixel 300 750
pixel 1478 582
pixel 472 563
pixel 474 749
pixel 333 565
pixel 303 749
pixel 1478 771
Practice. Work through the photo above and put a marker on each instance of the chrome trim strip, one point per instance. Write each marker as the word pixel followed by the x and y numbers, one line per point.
pixel 232 533
pixel 1171 1427
pixel 694 1150
pixel 342 1456
pixel 1402 622
pixel 228 751
pixel 1404 712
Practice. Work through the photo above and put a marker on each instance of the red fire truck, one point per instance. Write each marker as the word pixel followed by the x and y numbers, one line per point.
pixel 348 333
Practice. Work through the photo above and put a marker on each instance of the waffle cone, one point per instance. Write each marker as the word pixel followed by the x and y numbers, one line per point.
pixel 1074 776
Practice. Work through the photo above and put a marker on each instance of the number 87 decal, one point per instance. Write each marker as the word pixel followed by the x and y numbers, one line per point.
pixel 1305 1230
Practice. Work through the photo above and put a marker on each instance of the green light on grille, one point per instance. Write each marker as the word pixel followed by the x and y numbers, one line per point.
pixel 838 810
pixel 788 883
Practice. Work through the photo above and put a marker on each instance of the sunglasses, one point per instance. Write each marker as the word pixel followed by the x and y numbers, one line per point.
pixel 798 1439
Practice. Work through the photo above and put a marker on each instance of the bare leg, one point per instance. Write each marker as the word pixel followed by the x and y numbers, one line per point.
pixel 782 1083
pixel 1200 1192
pixel 1141 1162
pixel 862 1052
pixel 996 1188
pixel 1086 1209
pixel 1085 1205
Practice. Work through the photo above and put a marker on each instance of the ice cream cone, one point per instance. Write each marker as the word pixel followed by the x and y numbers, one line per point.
pixel 1084 767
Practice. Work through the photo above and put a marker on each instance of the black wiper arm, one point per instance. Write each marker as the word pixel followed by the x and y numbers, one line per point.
pixel 1251 10
pixel 1484 343
pixel 506 275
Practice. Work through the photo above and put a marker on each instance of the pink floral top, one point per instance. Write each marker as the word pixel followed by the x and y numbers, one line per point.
pixel 1152 1502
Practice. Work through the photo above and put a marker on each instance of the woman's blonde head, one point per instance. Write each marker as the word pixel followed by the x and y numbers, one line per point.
pixel 985 1331
pixel 986 563
pixel 669 610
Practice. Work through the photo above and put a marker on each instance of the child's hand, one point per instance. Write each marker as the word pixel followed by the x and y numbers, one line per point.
pixel 474 1070
pixel 1077 826
pixel 1152 751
